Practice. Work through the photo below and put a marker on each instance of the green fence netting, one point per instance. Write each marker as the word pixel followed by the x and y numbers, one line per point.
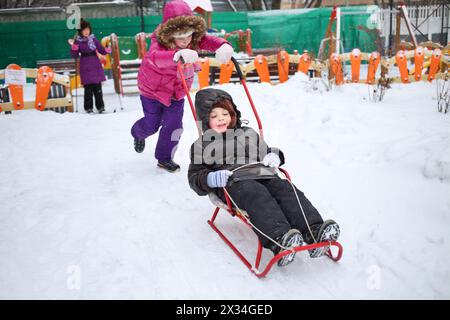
pixel 302 29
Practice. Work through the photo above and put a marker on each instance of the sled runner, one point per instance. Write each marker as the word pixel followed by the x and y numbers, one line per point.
pixel 241 214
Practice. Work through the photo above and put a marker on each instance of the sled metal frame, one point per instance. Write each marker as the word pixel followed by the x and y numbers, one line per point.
pixel 254 268
pixel 261 273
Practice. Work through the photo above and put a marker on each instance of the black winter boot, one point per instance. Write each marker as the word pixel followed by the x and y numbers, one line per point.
pixel 139 145
pixel 170 165
pixel 328 231
pixel 309 239
pixel 291 239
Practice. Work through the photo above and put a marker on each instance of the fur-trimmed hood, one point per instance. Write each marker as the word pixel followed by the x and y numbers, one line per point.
pixel 178 18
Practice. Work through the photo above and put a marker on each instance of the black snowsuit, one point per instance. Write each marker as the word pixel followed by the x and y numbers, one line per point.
pixel 269 200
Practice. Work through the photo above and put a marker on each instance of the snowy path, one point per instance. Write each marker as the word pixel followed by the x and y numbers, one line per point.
pixel 76 200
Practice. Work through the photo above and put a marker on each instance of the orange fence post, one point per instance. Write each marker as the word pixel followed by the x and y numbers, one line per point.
pixel 434 65
pixel 262 68
pixel 418 63
pixel 355 59
pixel 225 72
pixel 401 61
pixel 374 61
pixel 283 66
pixel 304 63
pixel 203 75
pixel 336 68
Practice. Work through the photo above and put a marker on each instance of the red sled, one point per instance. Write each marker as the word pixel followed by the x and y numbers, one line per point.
pixel 254 268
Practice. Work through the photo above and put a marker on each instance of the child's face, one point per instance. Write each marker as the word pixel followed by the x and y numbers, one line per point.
pixel 183 42
pixel 219 120
pixel 86 32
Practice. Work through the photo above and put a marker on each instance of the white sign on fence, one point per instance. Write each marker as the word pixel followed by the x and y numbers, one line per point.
pixel 18 77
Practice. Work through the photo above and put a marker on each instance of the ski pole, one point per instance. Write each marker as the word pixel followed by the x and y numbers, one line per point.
pixel 76 85
pixel 120 103
pixel 115 52
pixel 71 42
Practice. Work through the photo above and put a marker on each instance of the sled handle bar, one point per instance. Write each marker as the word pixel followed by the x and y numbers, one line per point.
pixel 244 84
pixel 186 89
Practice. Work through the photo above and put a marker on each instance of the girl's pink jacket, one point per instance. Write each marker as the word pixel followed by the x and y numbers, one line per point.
pixel 158 76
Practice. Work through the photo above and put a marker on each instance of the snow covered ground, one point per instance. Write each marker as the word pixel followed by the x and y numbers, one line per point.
pixel 83 216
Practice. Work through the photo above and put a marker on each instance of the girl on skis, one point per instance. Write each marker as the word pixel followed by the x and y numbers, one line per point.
pixel 180 35
pixel 86 47
pixel 229 155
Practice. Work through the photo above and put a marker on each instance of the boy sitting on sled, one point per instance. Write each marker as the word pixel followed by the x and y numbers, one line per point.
pixel 229 155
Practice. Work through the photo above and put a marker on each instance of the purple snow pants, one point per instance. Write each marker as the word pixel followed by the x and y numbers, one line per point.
pixel 157 115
